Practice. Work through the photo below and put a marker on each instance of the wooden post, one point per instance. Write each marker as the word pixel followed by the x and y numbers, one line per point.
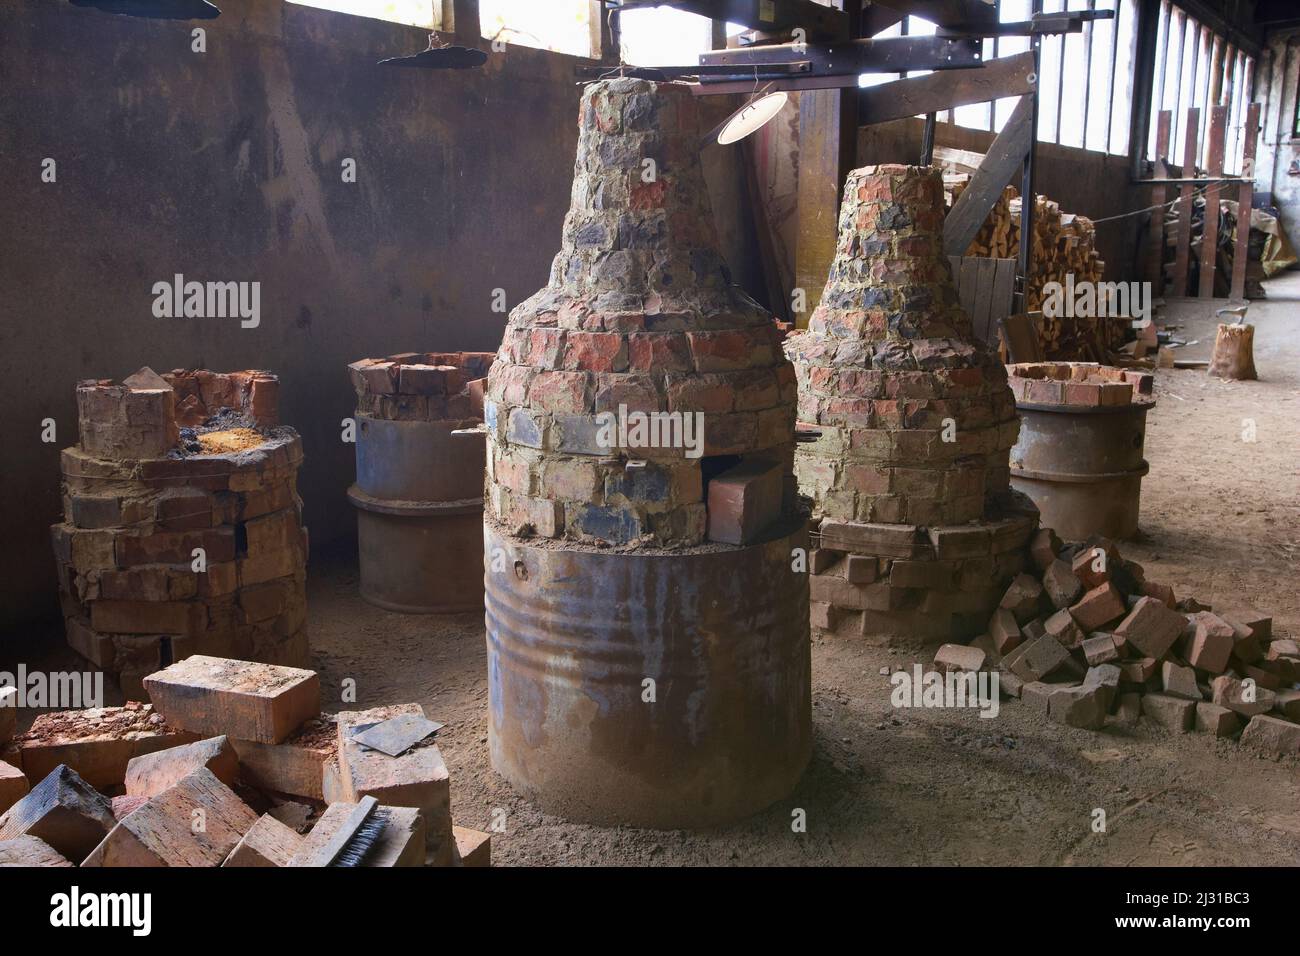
pixel 602 28
pixel 1210 226
pixel 1182 253
pixel 1156 240
pixel 828 147
pixel 1237 291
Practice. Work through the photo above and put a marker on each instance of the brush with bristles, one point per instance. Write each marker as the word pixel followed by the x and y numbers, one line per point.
pixel 354 839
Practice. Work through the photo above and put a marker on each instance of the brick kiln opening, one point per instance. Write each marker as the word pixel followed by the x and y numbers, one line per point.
pixel 182 530
pixel 919 529
pixel 647 636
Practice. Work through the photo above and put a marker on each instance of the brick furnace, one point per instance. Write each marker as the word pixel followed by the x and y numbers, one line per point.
pixel 919 531
pixel 648 654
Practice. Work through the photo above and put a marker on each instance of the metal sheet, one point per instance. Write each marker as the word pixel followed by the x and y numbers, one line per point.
pixel 572 637
pixel 397 735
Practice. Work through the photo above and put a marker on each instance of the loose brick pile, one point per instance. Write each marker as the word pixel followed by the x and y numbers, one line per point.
pixel 137 504
pixel 422 386
pixel 1079 383
pixel 1089 639
pixel 243 742
pixel 921 533
pixel 640 312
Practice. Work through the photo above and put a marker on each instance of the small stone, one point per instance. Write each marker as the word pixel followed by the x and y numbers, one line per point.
pixel 1272 736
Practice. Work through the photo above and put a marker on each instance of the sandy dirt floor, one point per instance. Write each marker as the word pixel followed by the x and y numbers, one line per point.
pixel 1220 518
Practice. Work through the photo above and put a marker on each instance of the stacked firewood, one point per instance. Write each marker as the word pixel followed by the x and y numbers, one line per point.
pixel 1063 244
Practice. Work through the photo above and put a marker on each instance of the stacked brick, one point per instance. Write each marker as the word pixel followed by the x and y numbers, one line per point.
pixel 138 509
pixel 422 386
pixel 913 419
pixel 221 738
pixel 1088 640
pixel 1085 384
pixel 640 317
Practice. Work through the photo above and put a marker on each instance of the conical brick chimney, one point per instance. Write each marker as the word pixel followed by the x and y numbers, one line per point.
pixel 641 417
pixel 915 422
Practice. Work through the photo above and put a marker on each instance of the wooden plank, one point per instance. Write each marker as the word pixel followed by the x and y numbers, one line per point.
pixel 827 146
pixel 984 271
pixel 1155 269
pixel 1004 291
pixel 969 283
pixel 1210 225
pixel 1181 254
pixel 1005 156
pixel 1020 337
pixel 1006 76
pixel 1245 192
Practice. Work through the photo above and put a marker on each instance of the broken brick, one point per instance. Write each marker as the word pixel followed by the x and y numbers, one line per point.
pixel 1179 681
pixel 1099 649
pixel 1060 584
pixel 1249 700
pixel 958 657
pixel 29 851
pixel 1215 719
pixel 197 822
pixel 1211 642
pixel 1101 606
pixel 1172 713
pixel 1150 628
pixel 151 774
pixel 64 811
pixel 1062 627
pixel 268 843
pixel 473 847
pixel 1004 631
pixel 1272 736
pixel 13 785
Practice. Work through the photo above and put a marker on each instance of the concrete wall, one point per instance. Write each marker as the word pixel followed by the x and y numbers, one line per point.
pixel 226 165
pixel 1278 166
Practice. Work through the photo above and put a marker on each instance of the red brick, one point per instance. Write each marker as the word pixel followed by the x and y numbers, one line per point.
pixel 211 695
pixel 1099 607
pixel 151 774
pixel 1211 643
pixel 1085 566
pixel 559 391
pixel 1150 627
pixel 659 352
pixel 596 352
pixel 745 501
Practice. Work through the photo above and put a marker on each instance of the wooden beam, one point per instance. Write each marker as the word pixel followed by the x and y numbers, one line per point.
pixel 1155 266
pixel 1144 68
pixel 1008 76
pixel 945 13
pixel 1183 250
pixel 603 29
pixel 1004 159
pixel 828 141
pixel 827 145
pixel 461 17
pixel 1237 290
pixel 1210 224
pixel 820 21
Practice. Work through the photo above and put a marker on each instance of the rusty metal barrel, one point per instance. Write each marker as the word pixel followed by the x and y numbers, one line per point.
pixel 1080 451
pixel 662 690
pixel 420 451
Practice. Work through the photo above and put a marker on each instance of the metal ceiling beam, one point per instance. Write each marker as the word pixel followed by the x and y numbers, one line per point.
pixel 818 21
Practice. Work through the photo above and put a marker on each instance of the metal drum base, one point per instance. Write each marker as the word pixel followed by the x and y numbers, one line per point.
pixel 420 558
pixel 1078 510
pixel 573 636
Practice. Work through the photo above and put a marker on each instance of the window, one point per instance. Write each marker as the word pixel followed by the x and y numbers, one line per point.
pixel 416 13
pixel 1195 67
pixel 559 25
pixel 1085 83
